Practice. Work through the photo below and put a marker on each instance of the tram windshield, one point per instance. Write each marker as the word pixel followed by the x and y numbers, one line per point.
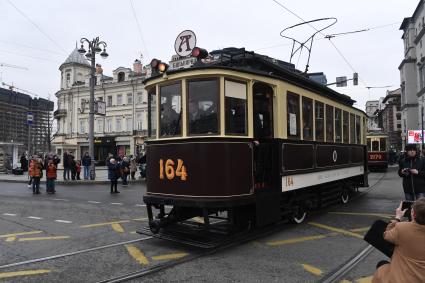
pixel 171 109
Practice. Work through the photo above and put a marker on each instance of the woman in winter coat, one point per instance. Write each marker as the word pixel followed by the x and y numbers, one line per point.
pixel 113 174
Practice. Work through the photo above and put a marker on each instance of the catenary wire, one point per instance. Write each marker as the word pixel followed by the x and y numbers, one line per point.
pixel 138 28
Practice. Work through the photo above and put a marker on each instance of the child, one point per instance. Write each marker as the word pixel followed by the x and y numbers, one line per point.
pixel 51 175
pixel 36 173
pixel 78 169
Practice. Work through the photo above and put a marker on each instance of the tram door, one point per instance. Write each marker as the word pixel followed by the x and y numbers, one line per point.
pixel 263 135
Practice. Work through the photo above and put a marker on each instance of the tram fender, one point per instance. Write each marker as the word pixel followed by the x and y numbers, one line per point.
pixel 267 208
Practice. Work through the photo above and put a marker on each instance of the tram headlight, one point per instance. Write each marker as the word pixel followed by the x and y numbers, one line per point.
pixel 162 67
pixel 199 53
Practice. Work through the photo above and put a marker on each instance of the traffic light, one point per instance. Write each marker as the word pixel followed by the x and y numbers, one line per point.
pixel 355 79
pixel 158 66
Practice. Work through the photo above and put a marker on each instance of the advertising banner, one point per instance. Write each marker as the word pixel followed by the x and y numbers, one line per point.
pixel 414 136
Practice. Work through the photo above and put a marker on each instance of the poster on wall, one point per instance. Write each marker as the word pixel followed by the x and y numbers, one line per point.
pixel 414 136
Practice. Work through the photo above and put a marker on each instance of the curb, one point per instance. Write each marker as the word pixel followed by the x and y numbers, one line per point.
pixel 70 183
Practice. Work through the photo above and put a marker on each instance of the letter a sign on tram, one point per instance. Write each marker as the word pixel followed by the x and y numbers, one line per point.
pixel 30 117
pixel 184 43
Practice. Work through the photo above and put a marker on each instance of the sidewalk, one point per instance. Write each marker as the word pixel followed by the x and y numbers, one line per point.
pixel 101 177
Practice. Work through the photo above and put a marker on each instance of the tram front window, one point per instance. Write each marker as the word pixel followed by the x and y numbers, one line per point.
pixel 170 119
pixel 375 145
pixel 203 107
pixel 383 144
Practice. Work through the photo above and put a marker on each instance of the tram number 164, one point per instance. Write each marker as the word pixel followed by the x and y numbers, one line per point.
pixel 170 172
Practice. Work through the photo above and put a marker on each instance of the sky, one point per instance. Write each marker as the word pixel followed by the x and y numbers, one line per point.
pixel 39 36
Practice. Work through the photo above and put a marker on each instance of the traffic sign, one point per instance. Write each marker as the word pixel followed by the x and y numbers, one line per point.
pixel 30 118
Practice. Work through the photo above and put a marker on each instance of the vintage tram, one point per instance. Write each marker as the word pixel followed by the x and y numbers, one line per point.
pixel 249 137
pixel 377 146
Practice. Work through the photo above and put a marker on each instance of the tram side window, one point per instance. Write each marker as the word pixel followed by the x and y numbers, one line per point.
pixel 307 118
pixel 329 123
pixel 369 144
pixel 293 116
pixel 170 118
pixel 383 144
pixel 203 105
pixel 358 130
pixel 235 107
pixel 352 129
pixel 375 145
pixel 345 127
pixel 152 113
pixel 319 110
pixel 338 125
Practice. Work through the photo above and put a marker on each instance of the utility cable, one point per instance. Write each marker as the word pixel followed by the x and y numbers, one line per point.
pixel 138 28
pixel 36 26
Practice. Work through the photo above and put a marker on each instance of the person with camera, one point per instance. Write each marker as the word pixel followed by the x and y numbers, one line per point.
pixel 412 170
pixel 408 259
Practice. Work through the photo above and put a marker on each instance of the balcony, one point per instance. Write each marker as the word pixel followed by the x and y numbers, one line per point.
pixel 59 113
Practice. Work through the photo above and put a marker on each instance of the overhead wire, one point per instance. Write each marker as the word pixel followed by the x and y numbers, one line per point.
pixel 138 28
pixel 36 26
pixel 28 46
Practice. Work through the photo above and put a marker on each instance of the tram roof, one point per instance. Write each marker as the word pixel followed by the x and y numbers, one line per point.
pixel 238 59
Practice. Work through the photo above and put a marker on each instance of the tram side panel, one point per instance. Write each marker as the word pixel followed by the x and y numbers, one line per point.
pixel 377 160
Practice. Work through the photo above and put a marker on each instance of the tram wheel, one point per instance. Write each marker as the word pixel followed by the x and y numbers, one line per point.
pixel 299 214
pixel 154 226
pixel 345 196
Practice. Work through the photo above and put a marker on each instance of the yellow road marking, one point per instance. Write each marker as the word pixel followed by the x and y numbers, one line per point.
pixel 169 256
pixel 118 228
pixel 21 233
pixel 43 238
pixel 338 230
pixel 104 224
pixel 365 279
pixel 137 254
pixel 384 215
pixel 295 240
pixel 11 239
pixel 345 281
pixel 140 219
pixel 364 229
pixel 312 269
pixel 23 273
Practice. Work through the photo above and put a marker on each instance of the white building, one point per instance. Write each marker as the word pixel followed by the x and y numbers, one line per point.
pixel 122 130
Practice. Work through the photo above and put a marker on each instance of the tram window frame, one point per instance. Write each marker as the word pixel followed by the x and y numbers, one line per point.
pixel 235 108
pixel 345 127
pixel 177 128
pixel 307 107
pixel 358 130
pixel 295 106
pixel 330 130
pixel 319 110
pixel 352 128
pixel 382 144
pixel 152 113
pixel 338 124
pixel 197 128
pixel 369 144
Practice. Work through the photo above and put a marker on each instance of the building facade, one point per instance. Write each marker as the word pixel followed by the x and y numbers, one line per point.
pixel 390 120
pixel 121 131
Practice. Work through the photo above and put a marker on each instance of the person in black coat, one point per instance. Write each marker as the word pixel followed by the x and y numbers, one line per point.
pixel 412 170
pixel 86 162
pixel 113 174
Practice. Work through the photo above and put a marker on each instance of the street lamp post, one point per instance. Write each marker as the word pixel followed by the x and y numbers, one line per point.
pixel 94 47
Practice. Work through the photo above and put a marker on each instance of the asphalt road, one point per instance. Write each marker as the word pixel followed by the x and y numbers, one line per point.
pixel 83 217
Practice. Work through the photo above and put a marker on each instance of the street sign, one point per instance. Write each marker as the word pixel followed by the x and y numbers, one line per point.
pixel 30 118
pixel 184 43
pixel 341 81
pixel 100 108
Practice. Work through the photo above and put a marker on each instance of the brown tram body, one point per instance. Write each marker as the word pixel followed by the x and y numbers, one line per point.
pixel 252 159
pixel 377 156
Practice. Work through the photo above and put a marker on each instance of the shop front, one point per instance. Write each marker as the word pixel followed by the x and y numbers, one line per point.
pixel 102 146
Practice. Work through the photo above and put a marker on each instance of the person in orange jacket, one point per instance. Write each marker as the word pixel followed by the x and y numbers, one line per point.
pixel 30 174
pixel 36 173
pixel 51 175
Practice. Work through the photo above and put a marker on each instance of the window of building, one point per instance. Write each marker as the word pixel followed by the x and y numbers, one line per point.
pixel 118 127
pixel 345 127
pixel 119 99
pixel 398 116
pixel 352 128
pixel 329 123
pixel 422 76
pixel 319 110
pixel 293 115
pixel 129 124
pixel 170 118
pixel 203 106
pixel 109 125
pixel 109 101
pixel 338 125
pixel 82 126
pixel 129 98
pixel 307 118
pixel 99 125
pixel 68 80
pixel 235 107
pixel 139 97
pixel 139 118
pixel 121 76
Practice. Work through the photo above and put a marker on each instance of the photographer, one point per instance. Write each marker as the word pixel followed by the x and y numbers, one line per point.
pixel 412 170
pixel 408 260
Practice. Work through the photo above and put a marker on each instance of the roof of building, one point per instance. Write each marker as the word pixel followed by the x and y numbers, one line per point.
pixel 75 58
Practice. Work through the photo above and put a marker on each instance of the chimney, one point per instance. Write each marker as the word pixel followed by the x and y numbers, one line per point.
pixel 99 70
pixel 137 67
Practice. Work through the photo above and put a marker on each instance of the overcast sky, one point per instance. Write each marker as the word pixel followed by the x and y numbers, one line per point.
pixel 39 35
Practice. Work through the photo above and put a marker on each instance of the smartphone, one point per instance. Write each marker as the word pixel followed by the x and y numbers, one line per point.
pixel 406 205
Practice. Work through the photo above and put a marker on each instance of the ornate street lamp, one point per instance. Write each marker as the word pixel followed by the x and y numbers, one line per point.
pixel 94 47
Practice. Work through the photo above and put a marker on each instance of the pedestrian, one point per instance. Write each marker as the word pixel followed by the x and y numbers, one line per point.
pixel 125 170
pixel 133 168
pixel 37 174
pixel 113 175
pixel 86 162
pixel 72 166
pixel 110 155
pixel 51 175
pixel 78 169
pixel 30 173
pixel 412 170
pixel 66 168
pixel 24 163
pixel 408 259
